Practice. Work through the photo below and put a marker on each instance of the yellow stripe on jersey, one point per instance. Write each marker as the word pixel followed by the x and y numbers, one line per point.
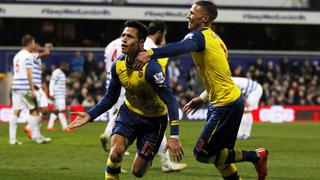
pixel 213 68
pixel 164 63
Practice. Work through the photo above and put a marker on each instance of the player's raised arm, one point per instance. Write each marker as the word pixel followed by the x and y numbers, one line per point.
pixel 156 78
pixel 46 51
pixel 194 41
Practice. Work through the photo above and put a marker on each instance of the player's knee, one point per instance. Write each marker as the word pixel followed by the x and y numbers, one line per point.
pixel 201 159
pixel 199 156
pixel 138 172
pixel 116 155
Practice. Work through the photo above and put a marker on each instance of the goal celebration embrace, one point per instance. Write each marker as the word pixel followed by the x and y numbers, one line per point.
pixel 159 90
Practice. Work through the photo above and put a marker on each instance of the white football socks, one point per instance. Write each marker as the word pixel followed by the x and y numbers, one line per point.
pixel 34 124
pixel 63 120
pixel 165 156
pixel 13 128
pixel 249 124
pixel 245 126
pixel 52 118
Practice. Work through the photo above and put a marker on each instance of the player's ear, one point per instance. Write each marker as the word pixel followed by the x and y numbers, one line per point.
pixel 205 19
pixel 141 42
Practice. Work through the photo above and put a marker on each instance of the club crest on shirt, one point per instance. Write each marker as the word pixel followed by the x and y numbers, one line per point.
pixel 159 78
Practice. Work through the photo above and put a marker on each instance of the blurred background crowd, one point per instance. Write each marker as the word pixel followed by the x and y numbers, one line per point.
pixel 285 82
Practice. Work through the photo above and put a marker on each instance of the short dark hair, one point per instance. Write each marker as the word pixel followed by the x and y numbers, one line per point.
pixel 63 62
pixel 26 40
pixel 142 29
pixel 209 8
pixel 156 26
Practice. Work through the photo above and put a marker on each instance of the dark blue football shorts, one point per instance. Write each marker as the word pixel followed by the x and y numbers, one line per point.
pixel 221 129
pixel 148 131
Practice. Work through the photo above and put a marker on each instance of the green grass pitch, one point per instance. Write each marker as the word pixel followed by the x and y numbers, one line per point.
pixel 294 154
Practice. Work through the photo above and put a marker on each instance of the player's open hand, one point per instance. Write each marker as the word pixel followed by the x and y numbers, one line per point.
pixel 193 105
pixel 141 59
pixel 175 147
pixel 81 119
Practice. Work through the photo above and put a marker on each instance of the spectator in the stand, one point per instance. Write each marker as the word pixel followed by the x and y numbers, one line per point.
pixel 173 72
pixel 100 69
pixel 316 68
pixel 88 102
pixel 318 99
pixel 238 71
pixel 295 68
pixel 91 77
pixel 89 64
pixel 76 65
pixel 258 64
pixel 76 86
pixel 290 100
pixel 285 66
pixel 270 68
pixel 84 93
pixel 310 99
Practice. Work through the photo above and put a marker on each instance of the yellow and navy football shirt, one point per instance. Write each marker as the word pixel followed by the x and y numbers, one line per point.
pixel 147 92
pixel 210 55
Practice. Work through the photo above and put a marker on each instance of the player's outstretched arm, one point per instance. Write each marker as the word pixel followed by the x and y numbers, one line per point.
pixel 193 41
pixel 81 119
pixel 110 98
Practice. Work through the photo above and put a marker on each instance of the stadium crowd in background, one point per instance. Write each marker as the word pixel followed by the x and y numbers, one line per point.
pixel 84 87
pixel 286 83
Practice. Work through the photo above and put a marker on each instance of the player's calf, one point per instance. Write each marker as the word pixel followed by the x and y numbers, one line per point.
pixel 140 166
pixel 138 172
pixel 113 166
